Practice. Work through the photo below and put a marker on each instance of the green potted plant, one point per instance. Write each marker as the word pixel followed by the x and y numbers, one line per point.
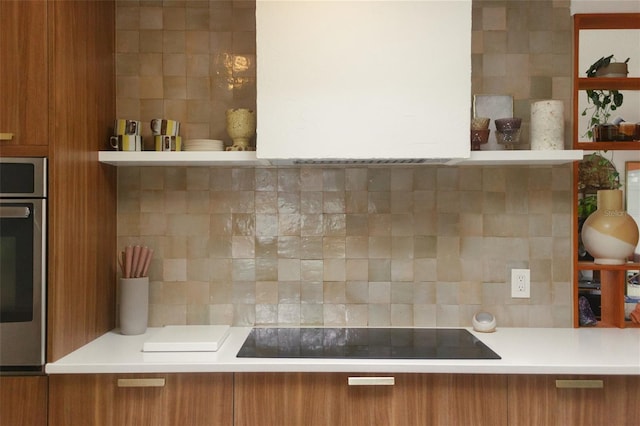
pixel 603 101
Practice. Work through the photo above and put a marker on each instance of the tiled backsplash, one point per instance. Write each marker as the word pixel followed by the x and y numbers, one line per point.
pixel 421 246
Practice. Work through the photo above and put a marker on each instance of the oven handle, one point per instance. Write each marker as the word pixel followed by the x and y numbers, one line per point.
pixel 14 212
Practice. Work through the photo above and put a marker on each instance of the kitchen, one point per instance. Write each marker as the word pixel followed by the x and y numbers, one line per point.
pixel 163 194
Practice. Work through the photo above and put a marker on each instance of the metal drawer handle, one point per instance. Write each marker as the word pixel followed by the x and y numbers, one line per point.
pixel 141 383
pixel 9 212
pixel 6 136
pixel 372 381
pixel 579 384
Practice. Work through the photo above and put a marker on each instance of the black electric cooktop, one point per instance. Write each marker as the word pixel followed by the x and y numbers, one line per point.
pixel 364 343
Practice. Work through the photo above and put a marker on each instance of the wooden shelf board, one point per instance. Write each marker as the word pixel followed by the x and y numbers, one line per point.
pixel 608 146
pixel 590 266
pixel 609 83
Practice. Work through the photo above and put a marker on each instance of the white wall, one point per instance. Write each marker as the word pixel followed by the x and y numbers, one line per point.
pixel 623 44
pixel 604 6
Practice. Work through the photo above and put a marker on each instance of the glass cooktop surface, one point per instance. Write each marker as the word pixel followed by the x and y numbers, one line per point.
pixel 365 343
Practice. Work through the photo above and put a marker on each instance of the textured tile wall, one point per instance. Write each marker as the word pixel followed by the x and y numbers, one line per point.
pixel 421 246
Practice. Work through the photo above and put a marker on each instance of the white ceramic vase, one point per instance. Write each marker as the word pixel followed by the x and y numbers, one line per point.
pixel 609 234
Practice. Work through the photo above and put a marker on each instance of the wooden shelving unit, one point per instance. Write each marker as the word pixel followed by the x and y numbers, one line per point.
pixel 612 277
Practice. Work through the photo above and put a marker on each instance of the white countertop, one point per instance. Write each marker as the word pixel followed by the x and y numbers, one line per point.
pixel 523 351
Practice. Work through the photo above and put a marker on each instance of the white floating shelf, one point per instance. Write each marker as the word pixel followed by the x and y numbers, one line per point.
pixel 519 157
pixel 248 158
pixel 181 158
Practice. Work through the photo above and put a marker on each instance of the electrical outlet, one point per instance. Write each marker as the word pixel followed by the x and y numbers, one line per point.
pixel 520 283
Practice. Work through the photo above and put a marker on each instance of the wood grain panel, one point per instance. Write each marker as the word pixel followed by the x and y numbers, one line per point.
pixel 82 196
pixel 535 400
pixel 23 400
pixel 326 399
pixel 23 76
pixel 185 399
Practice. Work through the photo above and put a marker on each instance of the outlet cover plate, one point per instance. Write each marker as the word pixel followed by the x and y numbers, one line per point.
pixel 520 283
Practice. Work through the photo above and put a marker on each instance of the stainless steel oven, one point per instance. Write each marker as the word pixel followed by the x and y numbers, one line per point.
pixel 23 205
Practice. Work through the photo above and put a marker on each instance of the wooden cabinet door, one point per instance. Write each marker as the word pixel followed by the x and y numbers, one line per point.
pixel 23 400
pixel 575 400
pixel 327 399
pixel 23 73
pixel 141 399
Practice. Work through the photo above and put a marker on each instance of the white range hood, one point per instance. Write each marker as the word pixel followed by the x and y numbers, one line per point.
pixel 363 81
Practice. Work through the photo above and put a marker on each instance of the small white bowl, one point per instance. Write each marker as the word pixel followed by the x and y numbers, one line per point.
pixel 484 322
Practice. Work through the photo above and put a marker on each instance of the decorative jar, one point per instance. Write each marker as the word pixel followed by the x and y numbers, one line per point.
pixel 609 234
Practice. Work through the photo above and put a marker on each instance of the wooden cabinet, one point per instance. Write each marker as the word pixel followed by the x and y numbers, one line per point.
pixel 23 77
pixel 612 277
pixel 573 400
pixel 141 399
pixel 328 399
pixel 23 400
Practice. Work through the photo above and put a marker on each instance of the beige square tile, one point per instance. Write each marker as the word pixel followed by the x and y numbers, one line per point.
pixel 402 292
pixel 311 247
pixel 127 17
pixel 333 248
pixel 198 88
pixel 266 314
pixel 289 292
pixel 356 202
pixel 379 292
pixel 150 41
pixel 311 179
pixel 379 315
pixel 243 269
pixel 401 315
pixel 355 179
pixel 311 292
pixel 288 180
pixel 401 202
pixel 380 270
pixel 197 18
pixel 289 224
pixel 174 64
pixel 379 247
pixel 357 292
pixel 128 86
pixel 334 292
pixel 173 18
pixel 333 180
pixel 311 314
pixel 424 315
pixel 288 247
pixel 401 179
pixel 494 18
pixel 334 314
pixel 334 270
pixel 266 247
pixel 150 18
pixel 266 269
pixel 242 247
pixel 402 270
pixel 357 247
pixel 333 202
pixel 334 224
pixel 173 42
pixel 311 270
pixel 357 315
pixel 288 269
pixel 357 270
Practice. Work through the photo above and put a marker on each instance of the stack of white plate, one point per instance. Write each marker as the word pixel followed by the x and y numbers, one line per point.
pixel 203 145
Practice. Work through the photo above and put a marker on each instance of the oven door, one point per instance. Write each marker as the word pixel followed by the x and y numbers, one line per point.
pixel 22 280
